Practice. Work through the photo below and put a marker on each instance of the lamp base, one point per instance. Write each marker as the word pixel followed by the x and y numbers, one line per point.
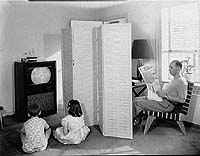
pixel 139 64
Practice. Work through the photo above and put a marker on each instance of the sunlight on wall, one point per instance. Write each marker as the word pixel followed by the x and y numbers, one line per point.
pixel 52 51
pixel 57 57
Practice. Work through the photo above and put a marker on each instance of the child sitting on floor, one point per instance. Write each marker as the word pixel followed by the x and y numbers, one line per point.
pixel 35 132
pixel 73 130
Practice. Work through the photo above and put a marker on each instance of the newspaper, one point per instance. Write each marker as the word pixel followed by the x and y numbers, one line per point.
pixel 152 82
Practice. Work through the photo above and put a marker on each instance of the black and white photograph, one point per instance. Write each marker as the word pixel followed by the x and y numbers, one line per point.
pixel 99 77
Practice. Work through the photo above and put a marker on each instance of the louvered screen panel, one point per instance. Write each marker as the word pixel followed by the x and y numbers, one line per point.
pixel 83 69
pixel 116 74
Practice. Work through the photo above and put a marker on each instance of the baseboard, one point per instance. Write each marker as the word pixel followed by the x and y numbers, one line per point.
pixel 8 113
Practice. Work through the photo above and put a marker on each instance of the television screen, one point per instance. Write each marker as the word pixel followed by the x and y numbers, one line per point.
pixel 39 75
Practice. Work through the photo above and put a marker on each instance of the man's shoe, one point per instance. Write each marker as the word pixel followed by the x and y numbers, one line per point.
pixel 137 121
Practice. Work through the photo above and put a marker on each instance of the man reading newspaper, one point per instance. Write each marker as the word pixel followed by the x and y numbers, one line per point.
pixel 152 82
pixel 157 99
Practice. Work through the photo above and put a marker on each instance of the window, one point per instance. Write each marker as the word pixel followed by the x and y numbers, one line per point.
pixel 180 27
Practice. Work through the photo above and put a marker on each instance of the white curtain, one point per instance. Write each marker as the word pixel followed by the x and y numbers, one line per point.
pixel 158 56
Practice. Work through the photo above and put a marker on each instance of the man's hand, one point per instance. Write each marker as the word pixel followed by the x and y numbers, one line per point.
pixel 161 93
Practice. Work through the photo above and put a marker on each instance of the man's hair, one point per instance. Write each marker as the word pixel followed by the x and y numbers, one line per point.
pixel 74 108
pixel 34 109
pixel 177 63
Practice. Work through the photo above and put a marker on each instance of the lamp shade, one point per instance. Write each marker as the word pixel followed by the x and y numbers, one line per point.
pixel 141 49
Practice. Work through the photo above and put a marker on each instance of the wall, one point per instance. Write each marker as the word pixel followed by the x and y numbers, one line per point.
pixel 23 26
pixel 52 51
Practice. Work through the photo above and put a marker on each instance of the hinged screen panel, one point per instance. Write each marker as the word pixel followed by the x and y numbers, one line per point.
pixel 115 90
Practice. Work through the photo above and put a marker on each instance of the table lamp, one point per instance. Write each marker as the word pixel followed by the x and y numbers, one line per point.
pixel 141 49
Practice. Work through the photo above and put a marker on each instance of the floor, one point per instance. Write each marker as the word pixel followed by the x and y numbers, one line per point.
pixel 162 138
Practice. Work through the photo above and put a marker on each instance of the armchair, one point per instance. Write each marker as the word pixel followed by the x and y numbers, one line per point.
pixel 178 114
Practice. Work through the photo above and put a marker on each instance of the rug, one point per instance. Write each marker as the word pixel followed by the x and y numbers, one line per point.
pixel 95 144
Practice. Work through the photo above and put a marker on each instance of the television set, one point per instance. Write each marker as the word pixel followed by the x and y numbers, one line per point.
pixel 35 82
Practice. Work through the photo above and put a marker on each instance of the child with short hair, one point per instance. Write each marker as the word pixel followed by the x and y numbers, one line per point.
pixel 35 132
pixel 73 130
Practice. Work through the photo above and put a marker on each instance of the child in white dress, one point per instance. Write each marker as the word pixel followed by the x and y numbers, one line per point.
pixel 73 130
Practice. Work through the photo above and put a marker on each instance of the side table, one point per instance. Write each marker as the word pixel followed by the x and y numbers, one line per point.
pixel 142 87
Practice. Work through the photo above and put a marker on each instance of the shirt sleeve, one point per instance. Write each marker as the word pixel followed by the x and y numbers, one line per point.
pixel 46 126
pixel 182 89
pixel 23 130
